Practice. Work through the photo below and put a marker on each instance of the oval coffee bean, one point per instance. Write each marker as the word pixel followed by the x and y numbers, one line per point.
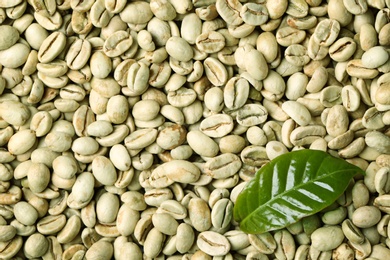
pixel 212 243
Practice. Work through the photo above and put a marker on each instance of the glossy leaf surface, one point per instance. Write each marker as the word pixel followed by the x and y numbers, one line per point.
pixel 290 187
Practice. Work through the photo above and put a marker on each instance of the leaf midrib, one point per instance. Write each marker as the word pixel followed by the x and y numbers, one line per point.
pixel 295 187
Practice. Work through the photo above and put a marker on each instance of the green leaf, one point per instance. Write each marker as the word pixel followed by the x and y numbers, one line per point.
pixel 290 187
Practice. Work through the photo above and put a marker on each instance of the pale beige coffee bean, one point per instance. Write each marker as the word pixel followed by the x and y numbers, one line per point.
pixel 206 12
pixel 115 6
pixel 25 213
pixel 256 65
pixel 179 49
pixel 366 216
pixel 334 233
pixel 107 207
pixel 214 99
pixel 10 36
pixel 326 32
pixel 303 23
pixel 51 47
pixel 117 44
pixel 297 8
pixel 8 232
pixel 274 149
pixel 378 141
pixel 10 248
pixel 251 114
pixel 101 65
pixel 70 230
pixel 85 145
pixel 356 7
pixel 213 243
pixel 154 197
pixel 375 57
pixel 140 138
pixel 100 128
pixel 21 142
pixel 382 36
pixel 236 92
pixel 103 170
pixel 382 181
pixel 337 121
pixel 287 36
pixel 36 245
pixel 136 13
pixel 73 91
pixel 14 112
pixel 360 194
pixel 11 195
pixel 120 157
pixel 210 42
pixel 296 85
pixel 153 243
pixel 181 97
pixel 174 208
pixel 41 123
pixel 165 223
pixel 65 166
pixel 222 213
pixel 106 87
pixel 185 237
pixel 229 11
pixel 127 219
pixel 171 136
pixel 231 144
pixel 14 56
pixel 50 225
pixel 274 84
pixel 353 149
pixel 137 78
pixel 266 43
pixel 305 135
pixel 217 125
pixel 117 109
pixel 202 144
pixel 78 54
pixel 368 36
pixel 145 110
pixel 142 161
pixel 254 155
pixel 331 96
pixel 264 242
pixel 6 134
pixel 179 171
pixel 299 113
pixel 38 177
pixel 285 244
pixel 237 239
pixel 254 14
pixel 355 68
pixel 191 27
pixel 199 214
pixel 351 98
pixel 342 49
pixel 297 54
pixel 215 71
pixel 352 232
pixel 372 119
pixel 337 11
pixel 100 249
pixel 379 251
pixel 342 140
pixel 256 136
pixel 223 166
